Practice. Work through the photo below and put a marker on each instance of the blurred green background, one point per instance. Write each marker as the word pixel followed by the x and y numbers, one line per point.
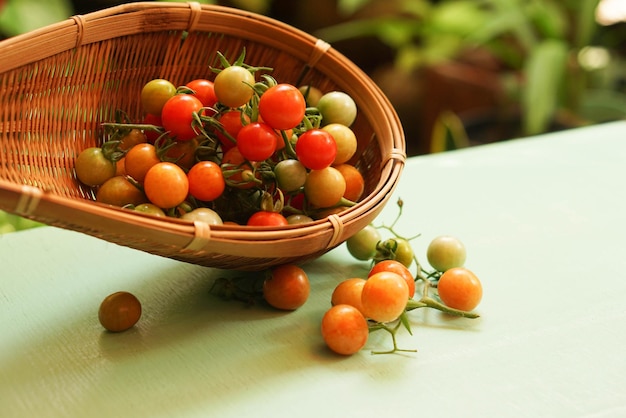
pixel 458 72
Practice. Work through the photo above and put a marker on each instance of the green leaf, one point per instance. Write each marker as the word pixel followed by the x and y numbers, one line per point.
pixel 544 71
pixel 586 24
pixel 404 319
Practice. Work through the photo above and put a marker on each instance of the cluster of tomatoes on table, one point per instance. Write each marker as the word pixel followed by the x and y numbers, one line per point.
pixel 383 299
pixel 239 148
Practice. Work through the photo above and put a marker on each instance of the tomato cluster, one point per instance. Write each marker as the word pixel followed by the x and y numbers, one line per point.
pixel 239 147
pixel 382 300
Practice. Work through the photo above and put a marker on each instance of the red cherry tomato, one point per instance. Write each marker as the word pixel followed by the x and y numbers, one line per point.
pixel 177 116
pixel 266 218
pixel 316 149
pixel 287 287
pixel 236 166
pixel 231 121
pixel 151 119
pixel 204 91
pixel 257 141
pixel 282 106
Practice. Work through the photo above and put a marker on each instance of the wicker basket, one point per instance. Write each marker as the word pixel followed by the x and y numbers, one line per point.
pixel 59 83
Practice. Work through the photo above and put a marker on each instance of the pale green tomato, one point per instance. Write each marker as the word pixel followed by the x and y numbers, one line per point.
pixel 151 209
pixel 362 245
pixel 298 219
pixel 345 139
pixel 290 175
pixel 155 93
pixel 203 215
pixel 404 252
pixel 337 107
pixel 311 95
pixel 446 252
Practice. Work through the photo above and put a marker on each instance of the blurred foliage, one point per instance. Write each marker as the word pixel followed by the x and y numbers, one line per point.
pixel 20 16
pixel 540 45
pixel 12 223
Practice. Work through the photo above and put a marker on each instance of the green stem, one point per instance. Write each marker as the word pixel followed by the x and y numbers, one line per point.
pixel 392 332
pixel 428 302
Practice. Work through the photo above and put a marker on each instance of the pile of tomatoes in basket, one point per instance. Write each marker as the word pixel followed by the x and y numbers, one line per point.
pixel 240 148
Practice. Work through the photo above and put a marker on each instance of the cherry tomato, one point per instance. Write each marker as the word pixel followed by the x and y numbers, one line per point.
pixel 119 311
pixel 445 252
pixel 398 268
pixel 355 183
pixel 204 91
pixel 150 209
pixel 290 175
pixel 282 106
pixel 120 167
pixel 177 116
pixel 324 188
pixel 92 167
pixel 139 159
pixel 345 139
pixel 344 329
pixel 233 86
pixel 298 218
pixel 155 93
pixel 133 137
pixel 118 191
pixel 206 215
pixel 404 252
pixel 166 185
pixel 384 296
pixel 287 287
pixel 235 166
pixel 206 181
pixel 349 292
pixel 460 288
pixel 337 107
pixel 311 95
pixel 257 141
pixel 232 121
pixel 362 245
pixel 183 153
pixel 316 149
pixel 155 120
pixel 266 218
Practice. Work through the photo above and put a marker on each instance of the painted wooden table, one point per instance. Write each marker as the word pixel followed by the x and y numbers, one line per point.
pixel 544 223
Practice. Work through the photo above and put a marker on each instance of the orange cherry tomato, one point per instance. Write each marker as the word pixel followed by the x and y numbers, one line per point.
pixel 206 181
pixel 460 288
pixel 384 296
pixel 344 329
pixel 398 268
pixel 166 185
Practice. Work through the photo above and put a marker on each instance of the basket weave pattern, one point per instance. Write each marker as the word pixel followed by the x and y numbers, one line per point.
pixel 59 83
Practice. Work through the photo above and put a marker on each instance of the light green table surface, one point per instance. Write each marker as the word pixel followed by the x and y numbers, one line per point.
pixel 544 221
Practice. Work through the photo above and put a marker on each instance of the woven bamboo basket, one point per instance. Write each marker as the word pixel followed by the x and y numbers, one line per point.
pixel 58 85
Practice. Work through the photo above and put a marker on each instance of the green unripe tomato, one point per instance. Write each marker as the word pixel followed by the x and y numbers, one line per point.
pixel 290 175
pixel 446 252
pixel 337 107
pixel 362 245
pixel 404 252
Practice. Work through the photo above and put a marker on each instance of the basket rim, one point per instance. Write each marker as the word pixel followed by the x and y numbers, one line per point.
pixel 84 29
